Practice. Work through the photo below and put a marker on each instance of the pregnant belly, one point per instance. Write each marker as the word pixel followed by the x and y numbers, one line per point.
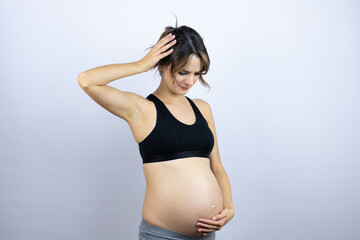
pixel 179 192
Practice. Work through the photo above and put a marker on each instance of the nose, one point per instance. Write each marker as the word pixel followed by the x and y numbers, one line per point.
pixel 189 81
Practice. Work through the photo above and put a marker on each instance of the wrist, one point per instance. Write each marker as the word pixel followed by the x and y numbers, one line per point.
pixel 141 66
pixel 229 207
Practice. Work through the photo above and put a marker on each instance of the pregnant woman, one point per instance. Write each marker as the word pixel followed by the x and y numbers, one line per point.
pixel 188 193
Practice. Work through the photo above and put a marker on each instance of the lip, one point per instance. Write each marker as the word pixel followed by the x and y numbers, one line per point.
pixel 183 88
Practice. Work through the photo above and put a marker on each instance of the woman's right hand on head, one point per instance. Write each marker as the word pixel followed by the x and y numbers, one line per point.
pixel 159 51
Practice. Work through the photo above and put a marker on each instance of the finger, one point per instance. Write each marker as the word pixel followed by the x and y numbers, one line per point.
pixel 210 222
pixel 204 230
pixel 165 40
pixel 204 225
pixel 220 216
pixel 164 48
pixel 165 54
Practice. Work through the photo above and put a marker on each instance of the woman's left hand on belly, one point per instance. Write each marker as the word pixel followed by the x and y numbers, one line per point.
pixel 216 223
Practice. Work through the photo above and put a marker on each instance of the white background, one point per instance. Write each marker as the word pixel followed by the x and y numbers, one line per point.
pixel 284 79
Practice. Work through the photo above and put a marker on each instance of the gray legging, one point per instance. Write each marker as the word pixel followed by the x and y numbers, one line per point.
pixel 147 231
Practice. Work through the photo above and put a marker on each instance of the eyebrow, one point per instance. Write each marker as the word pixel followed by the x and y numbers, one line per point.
pixel 189 71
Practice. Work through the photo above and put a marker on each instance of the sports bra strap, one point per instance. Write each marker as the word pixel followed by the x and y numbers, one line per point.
pixel 160 106
pixel 196 110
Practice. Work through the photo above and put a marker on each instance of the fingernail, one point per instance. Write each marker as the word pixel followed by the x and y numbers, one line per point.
pixel 213 218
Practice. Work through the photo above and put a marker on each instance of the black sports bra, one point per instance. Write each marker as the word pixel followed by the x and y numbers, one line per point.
pixel 171 139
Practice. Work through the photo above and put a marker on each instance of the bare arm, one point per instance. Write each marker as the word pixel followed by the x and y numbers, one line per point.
pixel 103 75
pixel 126 105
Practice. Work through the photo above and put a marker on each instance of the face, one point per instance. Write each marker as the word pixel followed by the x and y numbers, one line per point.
pixel 185 78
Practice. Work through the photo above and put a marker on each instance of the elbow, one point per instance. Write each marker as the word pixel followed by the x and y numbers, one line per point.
pixel 81 80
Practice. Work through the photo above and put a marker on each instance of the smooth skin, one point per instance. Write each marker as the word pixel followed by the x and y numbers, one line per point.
pixel 134 109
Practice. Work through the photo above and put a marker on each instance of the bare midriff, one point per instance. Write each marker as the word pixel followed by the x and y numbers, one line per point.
pixel 179 192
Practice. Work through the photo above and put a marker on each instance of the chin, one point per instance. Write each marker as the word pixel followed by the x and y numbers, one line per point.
pixel 181 92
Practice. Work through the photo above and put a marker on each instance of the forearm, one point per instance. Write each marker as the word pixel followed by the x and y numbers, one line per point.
pixel 225 187
pixel 105 74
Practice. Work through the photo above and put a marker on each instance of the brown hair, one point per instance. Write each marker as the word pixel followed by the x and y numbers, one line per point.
pixel 188 42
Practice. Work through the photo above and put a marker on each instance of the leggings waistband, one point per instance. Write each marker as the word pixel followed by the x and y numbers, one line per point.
pixel 150 231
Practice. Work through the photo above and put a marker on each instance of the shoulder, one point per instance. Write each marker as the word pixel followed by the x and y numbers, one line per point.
pixel 201 103
pixel 204 108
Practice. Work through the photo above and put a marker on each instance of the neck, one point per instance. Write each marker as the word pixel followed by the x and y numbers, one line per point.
pixel 168 96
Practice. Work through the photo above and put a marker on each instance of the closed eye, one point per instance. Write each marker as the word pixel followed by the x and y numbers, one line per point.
pixel 184 73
